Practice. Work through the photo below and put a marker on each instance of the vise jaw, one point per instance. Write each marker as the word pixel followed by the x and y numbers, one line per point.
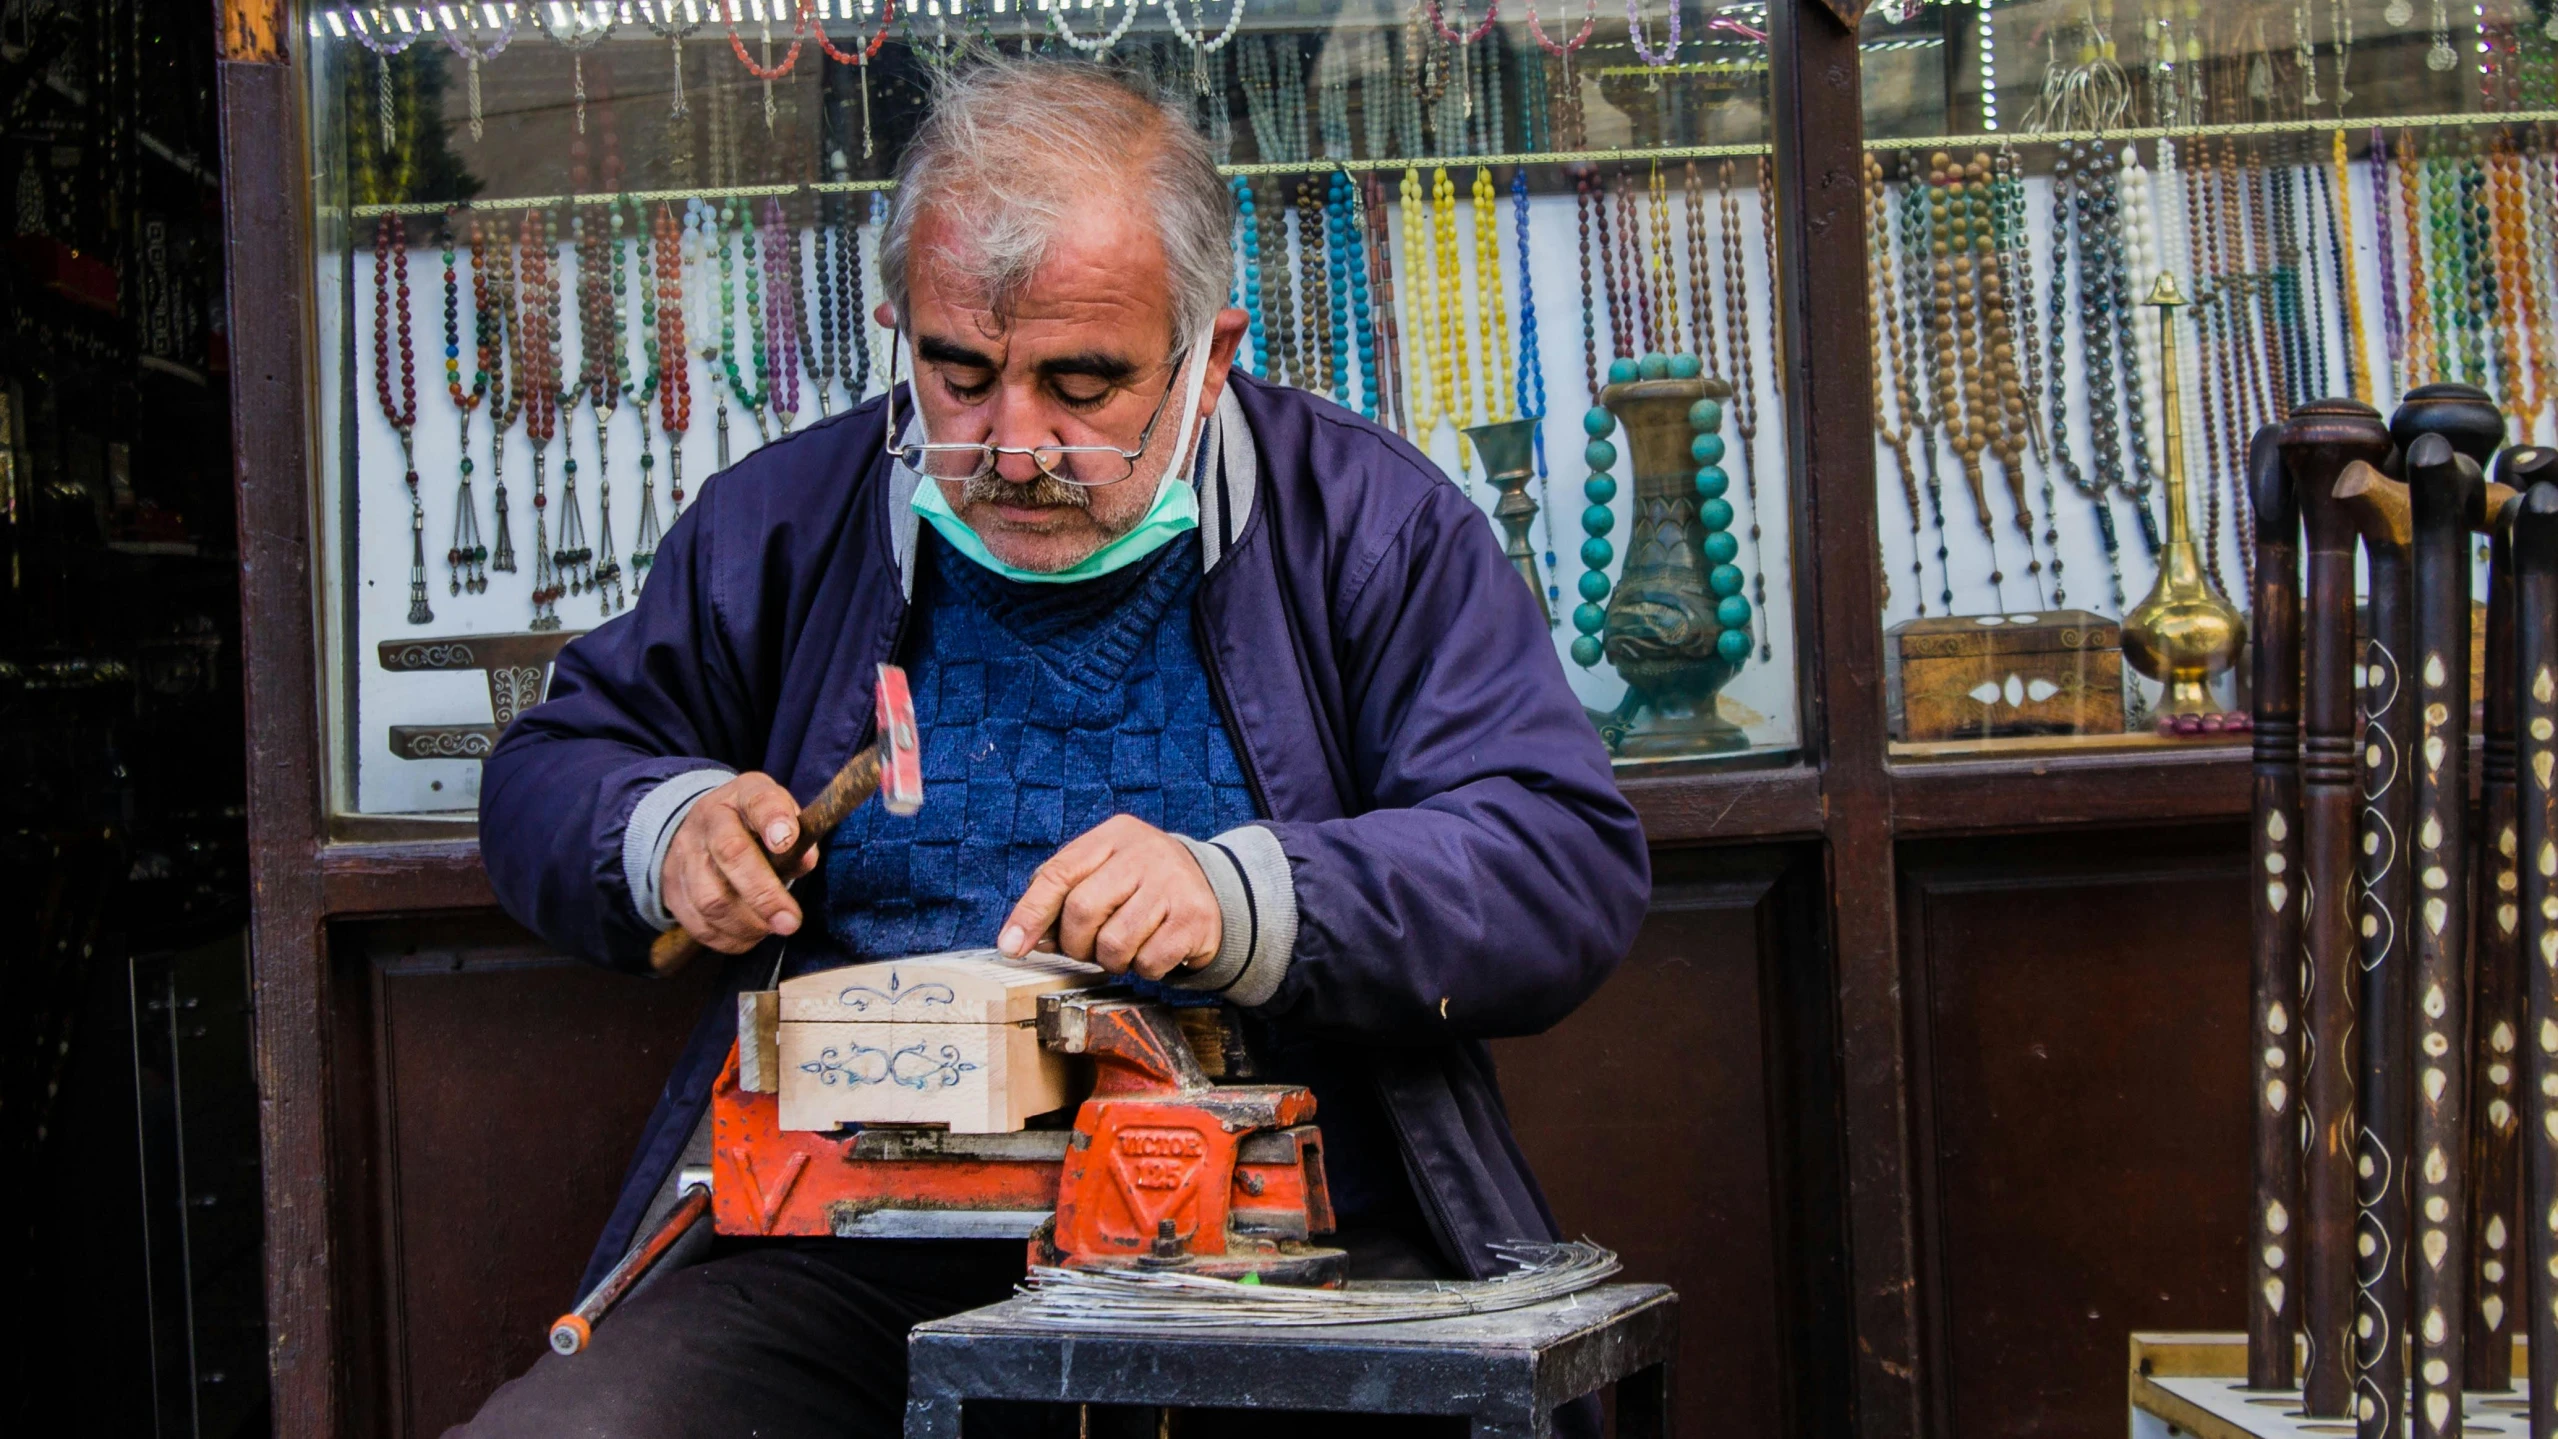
pixel 1166 1169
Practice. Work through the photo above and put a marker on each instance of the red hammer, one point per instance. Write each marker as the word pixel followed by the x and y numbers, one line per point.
pixel 890 767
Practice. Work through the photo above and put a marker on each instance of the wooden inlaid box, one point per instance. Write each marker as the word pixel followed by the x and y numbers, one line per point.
pixel 2025 673
pixel 949 1039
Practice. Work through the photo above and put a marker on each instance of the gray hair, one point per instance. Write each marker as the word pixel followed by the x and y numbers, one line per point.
pixel 1010 148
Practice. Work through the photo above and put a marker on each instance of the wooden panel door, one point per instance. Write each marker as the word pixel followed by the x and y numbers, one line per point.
pixel 2080 1097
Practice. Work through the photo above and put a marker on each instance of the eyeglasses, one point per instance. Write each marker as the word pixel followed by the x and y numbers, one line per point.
pixel 1084 466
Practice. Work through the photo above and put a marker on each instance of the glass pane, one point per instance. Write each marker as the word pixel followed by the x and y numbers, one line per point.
pixel 549 234
pixel 2347 199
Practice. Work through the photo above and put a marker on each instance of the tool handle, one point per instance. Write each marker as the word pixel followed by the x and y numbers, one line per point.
pixel 572 1331
pixel 857 781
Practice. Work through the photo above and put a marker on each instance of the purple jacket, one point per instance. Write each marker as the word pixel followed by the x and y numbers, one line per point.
pixel 1464 866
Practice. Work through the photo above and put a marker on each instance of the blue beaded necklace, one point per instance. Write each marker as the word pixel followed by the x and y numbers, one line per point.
pixel 1336 220
pixel 1723 579
pixel 1248 230
pixel 1531 390
pixel 1354 252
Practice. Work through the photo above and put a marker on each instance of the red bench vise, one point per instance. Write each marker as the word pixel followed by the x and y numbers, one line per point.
pixel 1164 1169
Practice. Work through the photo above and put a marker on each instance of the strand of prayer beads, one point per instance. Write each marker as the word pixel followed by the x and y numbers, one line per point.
pixel 506 377
pixel 390 295
pixel 466 560
pixel 644 393
pixel 1745 373
pixel 1425 293
pixel 1664 272
pixel 1281 292
pixel 1891 386
pixel 1352 247
pixel 1447 274
pixel 537 369
pixel 1314 322
pixel 1492 310
pixel 1918 340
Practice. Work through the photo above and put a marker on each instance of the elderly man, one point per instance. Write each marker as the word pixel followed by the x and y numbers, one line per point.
pixel 1219 687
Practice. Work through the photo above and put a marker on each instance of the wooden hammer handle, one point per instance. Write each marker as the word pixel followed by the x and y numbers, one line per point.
pixel 857 781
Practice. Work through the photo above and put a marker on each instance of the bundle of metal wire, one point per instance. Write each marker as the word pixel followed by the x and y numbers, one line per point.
pixel 1114 1299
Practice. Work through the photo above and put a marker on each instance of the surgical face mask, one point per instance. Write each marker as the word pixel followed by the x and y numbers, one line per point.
pixel 1175 509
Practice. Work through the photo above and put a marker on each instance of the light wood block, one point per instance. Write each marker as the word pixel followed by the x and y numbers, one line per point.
pixel 948 1039
pixel 963 986
pixel 975 1078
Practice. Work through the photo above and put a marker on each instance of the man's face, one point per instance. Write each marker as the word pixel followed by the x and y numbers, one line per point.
pixel 1084 360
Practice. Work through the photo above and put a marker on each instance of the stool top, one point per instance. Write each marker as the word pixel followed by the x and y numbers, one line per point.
pixel 1526 1330
pixel 1516 1365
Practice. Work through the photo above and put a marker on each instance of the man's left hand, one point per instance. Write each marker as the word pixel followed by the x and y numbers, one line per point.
pixel 1124 895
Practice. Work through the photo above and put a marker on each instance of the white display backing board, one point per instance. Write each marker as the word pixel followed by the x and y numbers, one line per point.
pixel 375 600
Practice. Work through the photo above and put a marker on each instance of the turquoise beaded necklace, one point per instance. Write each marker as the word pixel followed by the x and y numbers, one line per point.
pixel 1724 579
pixel 1248 241
pixel 1352 222
pixel 1336 221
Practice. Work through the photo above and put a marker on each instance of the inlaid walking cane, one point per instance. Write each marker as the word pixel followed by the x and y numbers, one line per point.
pixel 2495 1119
pixel 2319 440
pixel 2274 937
pixel 2535 677
pixel 2380 509
pixel 2442 484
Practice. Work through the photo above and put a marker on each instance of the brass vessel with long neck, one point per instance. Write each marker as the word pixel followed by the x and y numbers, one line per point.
pixel 2185 632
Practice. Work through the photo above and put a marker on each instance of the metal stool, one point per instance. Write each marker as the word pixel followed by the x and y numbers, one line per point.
pixel 1505 1372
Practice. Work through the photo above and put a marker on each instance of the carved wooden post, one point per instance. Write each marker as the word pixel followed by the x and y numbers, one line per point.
pixel 2495 1117
pixel 2441 484
pixel 2319 440
pixel 2535 677
pixel 2379 506
pixel 2274 956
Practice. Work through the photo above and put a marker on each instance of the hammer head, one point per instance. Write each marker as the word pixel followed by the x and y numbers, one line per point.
pixel 901 765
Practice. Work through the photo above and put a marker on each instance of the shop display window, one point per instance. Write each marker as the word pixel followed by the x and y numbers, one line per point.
pixel 2107 244
pixel 575 259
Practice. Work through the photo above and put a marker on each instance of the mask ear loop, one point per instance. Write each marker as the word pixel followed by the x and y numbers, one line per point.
pixel 1198 381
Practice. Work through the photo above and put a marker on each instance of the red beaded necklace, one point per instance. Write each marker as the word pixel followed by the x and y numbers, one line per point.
pixel 390 278
pixel 537 376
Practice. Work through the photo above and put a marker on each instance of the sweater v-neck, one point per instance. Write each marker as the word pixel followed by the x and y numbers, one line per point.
pixel 1087 633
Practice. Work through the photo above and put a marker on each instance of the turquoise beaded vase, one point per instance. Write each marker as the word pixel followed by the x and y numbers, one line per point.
pixel 1667 620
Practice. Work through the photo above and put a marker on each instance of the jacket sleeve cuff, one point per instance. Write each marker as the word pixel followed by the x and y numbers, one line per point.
pixel 651 830
pixel 1257 896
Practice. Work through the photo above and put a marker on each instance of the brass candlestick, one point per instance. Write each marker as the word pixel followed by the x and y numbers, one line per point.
pixel 1508 448
pixel 2184 633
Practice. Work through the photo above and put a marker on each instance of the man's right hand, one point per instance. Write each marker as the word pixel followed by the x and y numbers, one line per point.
pixel 719 880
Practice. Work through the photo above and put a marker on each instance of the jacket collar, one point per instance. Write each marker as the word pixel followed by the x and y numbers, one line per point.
pixel 1227 471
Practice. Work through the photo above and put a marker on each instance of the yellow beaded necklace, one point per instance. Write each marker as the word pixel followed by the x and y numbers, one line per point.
pixel 1428 398
pixel 1448 311
pixel 1492 305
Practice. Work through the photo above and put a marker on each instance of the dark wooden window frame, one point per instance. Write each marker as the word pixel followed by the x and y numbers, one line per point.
pixel 1844 794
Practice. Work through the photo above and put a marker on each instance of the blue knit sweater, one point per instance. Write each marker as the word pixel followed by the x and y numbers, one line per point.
pixel 1043 710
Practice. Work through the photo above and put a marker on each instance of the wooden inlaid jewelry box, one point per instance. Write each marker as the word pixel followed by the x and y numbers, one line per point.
pixel 2026 673
pixel 949 1039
